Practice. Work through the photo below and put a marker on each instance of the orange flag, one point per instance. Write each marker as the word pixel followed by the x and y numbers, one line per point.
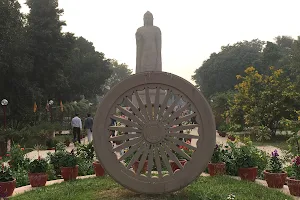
pixel 34 107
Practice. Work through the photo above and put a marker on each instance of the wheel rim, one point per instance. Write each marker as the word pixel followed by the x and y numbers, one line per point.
pixel 150 127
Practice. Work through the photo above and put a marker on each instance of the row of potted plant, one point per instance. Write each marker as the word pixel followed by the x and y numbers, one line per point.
pixel 274 174
pixel 38 168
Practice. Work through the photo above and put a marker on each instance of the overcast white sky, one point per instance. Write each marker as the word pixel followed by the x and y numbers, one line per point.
pixel 191 29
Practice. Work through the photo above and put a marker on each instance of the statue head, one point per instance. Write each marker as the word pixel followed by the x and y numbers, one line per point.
pixel 148 19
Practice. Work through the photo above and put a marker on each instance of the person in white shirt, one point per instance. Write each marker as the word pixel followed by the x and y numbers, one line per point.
pixel 77 126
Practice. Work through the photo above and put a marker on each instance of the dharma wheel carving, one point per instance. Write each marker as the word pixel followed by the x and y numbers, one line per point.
pixel 150 124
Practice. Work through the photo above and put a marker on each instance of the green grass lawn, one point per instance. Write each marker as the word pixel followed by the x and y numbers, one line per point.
pixel 205 188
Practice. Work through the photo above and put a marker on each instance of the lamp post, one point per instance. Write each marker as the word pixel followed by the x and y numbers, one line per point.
pixel 4 103
pixel 50 107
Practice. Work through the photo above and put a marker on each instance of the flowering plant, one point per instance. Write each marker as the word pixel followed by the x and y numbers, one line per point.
pixel 275 163
pixel 6 173
pixel 296 167
pixel 218 155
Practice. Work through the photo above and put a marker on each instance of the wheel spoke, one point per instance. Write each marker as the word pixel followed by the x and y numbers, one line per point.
pixel 183 127
pixel 127 144
pixel 136 156
pixel 170 109
pixel 177 113
pixel 150 161
pixel 124 137
pixel 164 104
pixel 179 142
pixel 141 106
pixel 172 156
pixel 142 161
pixel 183 135
pixel 179 151
pixel 182 119
pixel 126 122
pixel 130 115
pixel 131 150
pixel 157 162
pixel 124 129
pixel 134 109
pixel 149 104
pixel 165 160
pixel 156 103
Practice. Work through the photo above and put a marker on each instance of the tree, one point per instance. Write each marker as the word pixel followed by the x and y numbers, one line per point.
pixel 119 73
pixel 264 100
pixel 217 74
pixel 220 103
pixel 14 62
pixel 49 48
pixel 87 70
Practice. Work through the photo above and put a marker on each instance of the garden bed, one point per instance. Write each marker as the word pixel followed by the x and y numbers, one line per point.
pixel 204 188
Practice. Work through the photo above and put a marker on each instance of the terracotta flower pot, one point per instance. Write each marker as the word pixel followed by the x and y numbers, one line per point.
pixel 231 137
pixel 248 173
pixel 135 166
pixel 174 166
pixel 216 168
pixel 7 188
pixel 294 186
pixel 98 169
pixel 275 180
pixel 38 179
pixel 69 173
pixel 222 134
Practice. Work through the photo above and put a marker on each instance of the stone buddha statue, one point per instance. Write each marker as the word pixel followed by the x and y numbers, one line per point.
pixel 148 43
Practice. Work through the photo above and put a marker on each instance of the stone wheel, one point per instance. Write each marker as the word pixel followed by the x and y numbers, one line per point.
pixel 154 133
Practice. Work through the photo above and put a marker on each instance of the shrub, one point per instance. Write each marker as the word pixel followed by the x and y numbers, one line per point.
pixel 68 160
pixel 218 155
pixel 296 167
pixel 38 166
pixel 17 158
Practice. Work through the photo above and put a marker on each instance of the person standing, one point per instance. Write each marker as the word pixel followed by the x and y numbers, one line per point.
pixel 88 125
pixel 77 126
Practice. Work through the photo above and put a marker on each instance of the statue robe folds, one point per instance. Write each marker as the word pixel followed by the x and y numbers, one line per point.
pixel 148 41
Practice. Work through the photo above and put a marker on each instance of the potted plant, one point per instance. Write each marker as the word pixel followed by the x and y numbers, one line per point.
pixel 99 170
pixel 216 165
pixel 37 172
pixel 181 159
pixel 274 174
pixel 7 182
pixel 69 167
pixel 246 163
pixel 231 137
pixel 294 182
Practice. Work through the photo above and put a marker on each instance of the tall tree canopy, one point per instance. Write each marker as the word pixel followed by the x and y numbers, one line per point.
pixel 39 62
pixel 217 74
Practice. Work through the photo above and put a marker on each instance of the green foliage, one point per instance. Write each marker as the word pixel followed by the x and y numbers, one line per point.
pixel 68 160
pixel 275 163
pixel 263 100
pixel 85 167
pixel 17 158
pixel 217 74
pixel 6 173
pixel 218 155
pixel 243 156
pixel 85 151
pixel 21 176
pixel 261 133
pixel 55 159
pixel 38 166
